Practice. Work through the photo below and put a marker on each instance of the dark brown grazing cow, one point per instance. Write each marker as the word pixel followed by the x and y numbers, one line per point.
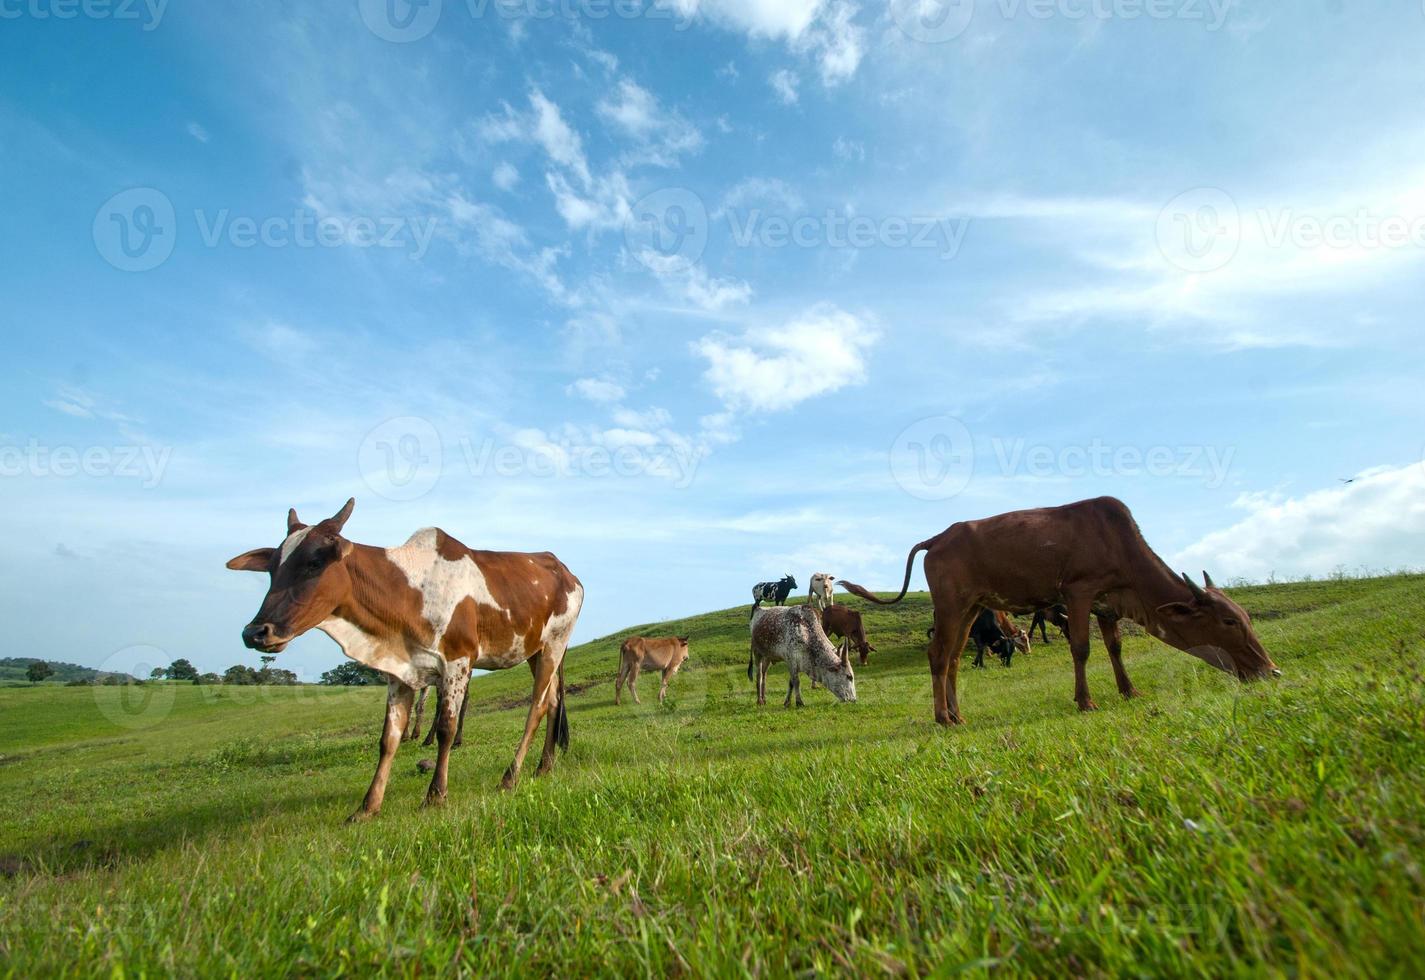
pixel 1057 614
pixel 840 621
pixel 661 653
pixel 1092 557
pixel 424 613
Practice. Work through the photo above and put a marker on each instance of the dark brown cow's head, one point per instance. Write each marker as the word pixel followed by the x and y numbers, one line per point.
pixel 1216 630
pixel 309 580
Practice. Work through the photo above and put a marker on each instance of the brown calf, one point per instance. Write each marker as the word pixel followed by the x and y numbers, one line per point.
pixel 841 621
pixel 424 613
pixel 1092 557
pixel 661 653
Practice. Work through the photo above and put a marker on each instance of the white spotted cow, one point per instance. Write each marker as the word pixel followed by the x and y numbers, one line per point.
pixel 424 613
pixel 793 635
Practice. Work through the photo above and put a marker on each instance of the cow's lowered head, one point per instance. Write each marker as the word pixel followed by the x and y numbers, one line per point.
pixel 1216 630
pixel 835 673
pixel 309 580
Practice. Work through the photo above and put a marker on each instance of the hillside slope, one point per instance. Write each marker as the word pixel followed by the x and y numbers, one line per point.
pixel 1206 828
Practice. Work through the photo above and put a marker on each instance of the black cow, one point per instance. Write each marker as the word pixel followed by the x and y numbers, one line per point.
pixel 773 591
pixel 985 632
pixel 1058 614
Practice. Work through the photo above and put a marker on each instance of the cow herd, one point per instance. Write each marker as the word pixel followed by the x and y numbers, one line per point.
pixel 428 612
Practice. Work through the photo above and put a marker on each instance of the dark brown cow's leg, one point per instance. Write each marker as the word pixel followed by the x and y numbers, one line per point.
pixel 399 698
pixel 543 665
pixel 452 693
pixel 1079 610
pixel 1113 639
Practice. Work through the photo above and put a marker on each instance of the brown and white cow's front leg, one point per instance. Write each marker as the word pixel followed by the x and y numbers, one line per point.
pixel 399 699
pixel 452 697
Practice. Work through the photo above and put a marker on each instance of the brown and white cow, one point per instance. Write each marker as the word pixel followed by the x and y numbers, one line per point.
pixel 1092 557
pixel 661 653
pixel 822 585
pixel 793 635
pixel 424 613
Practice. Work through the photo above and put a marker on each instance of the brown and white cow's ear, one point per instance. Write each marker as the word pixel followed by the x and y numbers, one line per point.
pixel 339 519
pixel 256 560
pixel 294 523
pixel 344 547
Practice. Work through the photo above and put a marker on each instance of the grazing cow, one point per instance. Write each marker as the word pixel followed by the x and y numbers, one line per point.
pixel 844 622
pixel 1058 614
pixel 662 653
pixel 424 613
pixel 988 631
pixel 794 636
pixel 821 587
pixel 1091 556
pixel 1011 629
pixel 773 591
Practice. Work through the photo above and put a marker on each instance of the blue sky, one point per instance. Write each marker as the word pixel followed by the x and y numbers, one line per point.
pixel 694 295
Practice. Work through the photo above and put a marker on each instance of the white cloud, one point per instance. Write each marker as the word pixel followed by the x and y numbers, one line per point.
pixel 692 282
pixel 557 138
pixel 770 370
pixel 780 19
pixel 784 83
pixel 505 176
pixel 823 29
pixel 1376 522
pixel 597 390
pixel 837 43
pixel 197 131
pixel 662 135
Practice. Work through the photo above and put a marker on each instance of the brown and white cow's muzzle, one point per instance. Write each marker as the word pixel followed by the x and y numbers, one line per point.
pixel 264 638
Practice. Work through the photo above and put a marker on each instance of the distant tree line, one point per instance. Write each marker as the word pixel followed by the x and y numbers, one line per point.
pixel 353 674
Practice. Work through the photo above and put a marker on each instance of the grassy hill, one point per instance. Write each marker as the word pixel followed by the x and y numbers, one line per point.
pixel 12 671
pixel 1207 828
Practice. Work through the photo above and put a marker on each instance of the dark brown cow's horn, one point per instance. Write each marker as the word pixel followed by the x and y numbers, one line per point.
pixel 1197 592
pixel 1207 579
pixel 293 521
pixel 342 515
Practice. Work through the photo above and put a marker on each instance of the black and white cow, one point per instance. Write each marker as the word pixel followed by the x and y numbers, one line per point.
pixel 773 591
pixel 986 632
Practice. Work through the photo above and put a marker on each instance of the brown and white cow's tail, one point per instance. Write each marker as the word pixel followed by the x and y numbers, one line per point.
pixel 866 594
pixel 561 717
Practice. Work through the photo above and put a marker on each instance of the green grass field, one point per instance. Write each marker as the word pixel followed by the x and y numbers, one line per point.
pixel 1208 828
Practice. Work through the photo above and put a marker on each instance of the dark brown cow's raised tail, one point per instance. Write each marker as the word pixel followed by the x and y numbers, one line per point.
pixel 865 593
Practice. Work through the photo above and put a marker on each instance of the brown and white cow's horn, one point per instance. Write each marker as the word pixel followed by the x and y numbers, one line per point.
pixel 1206 578
pixel 342 515
pixel 294 523
pixel 1196 589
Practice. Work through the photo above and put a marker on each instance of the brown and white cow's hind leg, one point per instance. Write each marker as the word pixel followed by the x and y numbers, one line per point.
pixel 762 665
pixel 1113 639
pixel 542 700
pixel 399 698
pixel 413 727
pixel 556 729
pixel 452 695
